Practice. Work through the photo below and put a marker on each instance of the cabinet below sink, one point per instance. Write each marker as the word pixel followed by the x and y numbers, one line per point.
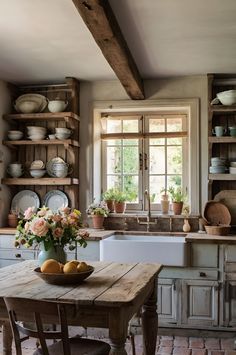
pixel 169 250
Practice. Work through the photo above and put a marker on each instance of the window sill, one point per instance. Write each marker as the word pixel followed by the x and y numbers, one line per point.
pixel 142 214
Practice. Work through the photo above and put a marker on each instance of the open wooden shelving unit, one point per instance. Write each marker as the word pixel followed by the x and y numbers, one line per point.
pixel 26 151
pixel 225 146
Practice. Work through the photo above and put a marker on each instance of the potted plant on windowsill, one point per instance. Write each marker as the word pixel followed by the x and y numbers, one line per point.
pixel 98 211
pixel 120 201
pixel 178 197
pixel 109 198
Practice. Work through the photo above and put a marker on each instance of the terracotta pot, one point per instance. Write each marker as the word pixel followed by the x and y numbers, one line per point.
pixel 119 207
pixel 12 220
pixel 110 205
pixel 177 207
pixel 98 221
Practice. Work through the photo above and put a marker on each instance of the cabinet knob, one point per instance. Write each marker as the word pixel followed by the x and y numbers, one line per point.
pixel 18 255
pixel 202 274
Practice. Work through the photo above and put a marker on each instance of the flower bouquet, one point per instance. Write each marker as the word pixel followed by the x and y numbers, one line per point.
pixel 50 229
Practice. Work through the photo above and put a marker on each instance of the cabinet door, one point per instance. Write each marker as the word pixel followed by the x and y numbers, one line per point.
pixel 199 303
pixel 167 301
pixel 229 304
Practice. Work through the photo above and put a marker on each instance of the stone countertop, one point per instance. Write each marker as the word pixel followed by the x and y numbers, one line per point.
pixel 93 233
pixel 209 238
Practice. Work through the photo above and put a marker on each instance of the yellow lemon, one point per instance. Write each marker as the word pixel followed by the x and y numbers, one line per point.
pixel 82 266
pixel 69 268
pixel 76 262
pixel 51 266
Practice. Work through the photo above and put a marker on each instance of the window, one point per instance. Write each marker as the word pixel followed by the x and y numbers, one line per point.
pixel 151 144
pixel 144 152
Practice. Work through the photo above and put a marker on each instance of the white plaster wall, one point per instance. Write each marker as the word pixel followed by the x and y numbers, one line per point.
pixel 5 196
pixel 182 87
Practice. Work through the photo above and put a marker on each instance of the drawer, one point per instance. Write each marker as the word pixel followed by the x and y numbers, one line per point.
pixel 17 254
pixel 7 241
pixel 189 273
pixel 230 253
pixel 204 255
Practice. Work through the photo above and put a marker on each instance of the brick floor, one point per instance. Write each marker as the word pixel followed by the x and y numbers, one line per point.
pixel 166 345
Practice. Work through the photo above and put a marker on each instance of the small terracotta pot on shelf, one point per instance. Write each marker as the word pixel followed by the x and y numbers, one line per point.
pixel 97 221
pixel 177 207
pixel 110 205
pixel 119 207
pixel 12 220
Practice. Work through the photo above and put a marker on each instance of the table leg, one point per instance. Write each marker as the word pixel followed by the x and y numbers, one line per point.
pixel 150 323
pixel 7 338
pixel 118 329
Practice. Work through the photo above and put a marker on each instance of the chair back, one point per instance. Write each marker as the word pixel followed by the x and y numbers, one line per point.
pixel 39 313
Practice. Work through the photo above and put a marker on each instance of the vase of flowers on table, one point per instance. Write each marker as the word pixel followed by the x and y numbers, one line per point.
pixel 98 211
pixel 51 231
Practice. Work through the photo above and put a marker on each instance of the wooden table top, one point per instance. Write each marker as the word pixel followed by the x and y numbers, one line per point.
pixel 111 284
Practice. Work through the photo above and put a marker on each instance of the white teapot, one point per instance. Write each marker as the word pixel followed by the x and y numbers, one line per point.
pixel 57 105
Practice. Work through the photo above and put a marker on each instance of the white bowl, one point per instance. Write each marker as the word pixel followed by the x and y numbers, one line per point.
pixel 62 135
pixel 52 136
pixel 232 170
pixel 62 130
pixel 27 106
pixel 14 135
pixel 36 137
pixel 233 164
pixel 217 169
pixel 37 173
pixel 227 97
pixel 57 105
pixel 36 129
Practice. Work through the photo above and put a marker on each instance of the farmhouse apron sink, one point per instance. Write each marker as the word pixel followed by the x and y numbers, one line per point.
pixel 169 250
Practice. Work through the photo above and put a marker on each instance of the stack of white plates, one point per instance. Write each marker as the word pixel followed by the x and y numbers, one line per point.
pixel 31 103
pixel 62 133
pixel 218 165
pixel 232 168
pixel 36 133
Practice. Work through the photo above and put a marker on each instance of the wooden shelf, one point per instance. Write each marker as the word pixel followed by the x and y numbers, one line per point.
pixel 222 177
pixel 226 139
pixel 65 142
pixel 41 181
pixel 222 108
pixel 45 116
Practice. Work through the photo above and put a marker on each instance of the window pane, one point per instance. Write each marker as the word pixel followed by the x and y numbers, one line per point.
pixel 113 160
pixel 131 187
pixel 157 160
pixel 113 126
pixel 175 181
pixel 130 160
pixel 156 125
pixel 174 124
pixel 157 141
pixel 156 184
pixel 130 125
pixel 174 141
pixel 113 181
pixel 114 142
pixel 130 141
pixel 174 160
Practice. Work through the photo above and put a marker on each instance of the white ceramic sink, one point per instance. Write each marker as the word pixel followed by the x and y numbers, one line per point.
pixel 166 250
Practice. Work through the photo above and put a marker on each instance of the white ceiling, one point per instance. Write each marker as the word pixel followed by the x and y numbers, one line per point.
pixel 46 40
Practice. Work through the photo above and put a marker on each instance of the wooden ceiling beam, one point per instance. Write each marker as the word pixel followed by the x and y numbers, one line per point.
pixel 101 22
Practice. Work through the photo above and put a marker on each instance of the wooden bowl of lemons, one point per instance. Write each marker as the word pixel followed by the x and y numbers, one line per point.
pixel 73 272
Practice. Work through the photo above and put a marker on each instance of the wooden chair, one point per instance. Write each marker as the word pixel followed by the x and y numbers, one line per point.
pixel 42 312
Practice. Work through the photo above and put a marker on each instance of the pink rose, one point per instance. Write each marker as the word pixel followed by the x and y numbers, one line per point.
pixel 58 232
pixel 39 227
pixel 41 213
pixel 65 210
pixel 29 213
pixel 27 226
pixel 57 218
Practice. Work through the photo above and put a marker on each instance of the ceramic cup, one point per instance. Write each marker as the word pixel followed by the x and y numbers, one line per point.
pixel 232 131
pixel 219 131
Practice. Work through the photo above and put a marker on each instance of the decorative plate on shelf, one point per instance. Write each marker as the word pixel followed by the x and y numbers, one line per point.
pixel 55 199
pixel 24 199
pixel 64 279
pixel 37 164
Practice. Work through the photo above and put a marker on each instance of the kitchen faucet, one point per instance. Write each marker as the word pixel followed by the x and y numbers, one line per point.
pixel 148 221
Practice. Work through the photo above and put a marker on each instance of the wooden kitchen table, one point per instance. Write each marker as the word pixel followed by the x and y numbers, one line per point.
pixel 107 299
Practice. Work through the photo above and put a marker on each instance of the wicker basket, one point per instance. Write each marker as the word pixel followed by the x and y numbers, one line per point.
pixel 218 230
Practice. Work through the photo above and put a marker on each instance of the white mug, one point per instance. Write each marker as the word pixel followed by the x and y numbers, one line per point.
pixel 219 131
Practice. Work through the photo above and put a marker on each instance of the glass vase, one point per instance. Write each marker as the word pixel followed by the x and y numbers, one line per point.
pixel 55 252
